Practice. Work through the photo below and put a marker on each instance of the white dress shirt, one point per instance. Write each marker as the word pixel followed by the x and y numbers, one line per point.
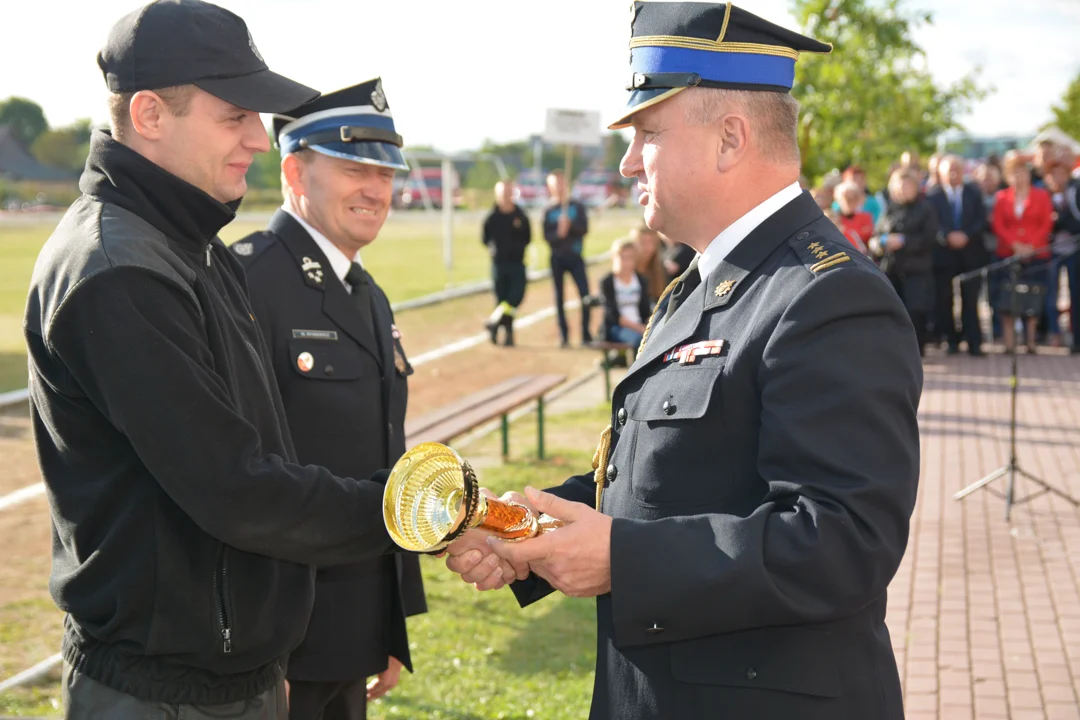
pixel 722 245
pixel 339 261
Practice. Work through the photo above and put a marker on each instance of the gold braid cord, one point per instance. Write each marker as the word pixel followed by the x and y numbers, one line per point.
pixel 600 457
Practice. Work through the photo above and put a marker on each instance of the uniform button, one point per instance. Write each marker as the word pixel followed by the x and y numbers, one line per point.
pixel 751 673
pixel 802 236
pixel 621 415
pixel 612 473
pixel 329 370
pixel 668 407
pixel 654 630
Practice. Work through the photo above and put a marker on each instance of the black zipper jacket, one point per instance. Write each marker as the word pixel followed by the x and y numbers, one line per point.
pixel 184 535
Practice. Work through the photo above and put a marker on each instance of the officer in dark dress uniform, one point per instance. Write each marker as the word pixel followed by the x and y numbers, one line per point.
pixel 342 372
pixel 750 501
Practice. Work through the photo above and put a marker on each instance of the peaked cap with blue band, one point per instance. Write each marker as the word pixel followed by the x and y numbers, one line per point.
pixel 354 124
pixel 676 45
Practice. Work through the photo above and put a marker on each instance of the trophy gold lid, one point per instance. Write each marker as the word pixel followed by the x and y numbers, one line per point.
pixel 429 499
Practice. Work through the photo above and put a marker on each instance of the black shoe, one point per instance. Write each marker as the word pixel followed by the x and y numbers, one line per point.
pixel 1074 350
pixel 564 345
pixel 507 323
pixel 953 350
pixel 493 329
pixel 977 352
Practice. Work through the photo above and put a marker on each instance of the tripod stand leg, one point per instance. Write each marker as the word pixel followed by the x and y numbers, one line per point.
pixel 980 483
pixel 1010 491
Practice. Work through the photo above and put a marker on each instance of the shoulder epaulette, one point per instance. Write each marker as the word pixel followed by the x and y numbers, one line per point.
pixel 820 252
pixel 251 247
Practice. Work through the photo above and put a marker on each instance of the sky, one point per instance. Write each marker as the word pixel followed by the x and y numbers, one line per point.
pixel 457 72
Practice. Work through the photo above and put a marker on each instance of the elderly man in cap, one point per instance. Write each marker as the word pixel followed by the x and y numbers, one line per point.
pixel 343 376
pixel 185 533
pixel 752 495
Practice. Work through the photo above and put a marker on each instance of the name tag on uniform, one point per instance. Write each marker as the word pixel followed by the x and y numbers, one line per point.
pixel 314 335
pixel 689 354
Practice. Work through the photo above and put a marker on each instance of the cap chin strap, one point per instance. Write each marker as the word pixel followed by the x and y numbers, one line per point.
pixel 347 134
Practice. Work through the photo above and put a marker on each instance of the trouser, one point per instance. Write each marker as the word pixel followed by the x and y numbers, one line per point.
pixel 1072 272
pixel 328 700
pixel 575 265
pixel 509 282
pixel 87 699
pixel 944 317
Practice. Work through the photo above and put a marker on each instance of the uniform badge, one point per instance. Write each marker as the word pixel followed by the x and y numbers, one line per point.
pixel 313 270
pixel 517 222
pixel 378 98
pixel 399 361
pixel 689 354
pixel 305 362
pixel 724 288
pixel 243 248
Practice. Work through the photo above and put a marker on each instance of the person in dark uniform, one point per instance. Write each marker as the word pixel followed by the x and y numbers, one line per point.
pixel 506 234
pixel 751 498
pixel 343 375
pixel 565 230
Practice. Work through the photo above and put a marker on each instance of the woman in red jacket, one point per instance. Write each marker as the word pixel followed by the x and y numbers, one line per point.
pixel 1022 220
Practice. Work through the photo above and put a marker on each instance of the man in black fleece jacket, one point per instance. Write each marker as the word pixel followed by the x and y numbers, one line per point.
pixel 184 534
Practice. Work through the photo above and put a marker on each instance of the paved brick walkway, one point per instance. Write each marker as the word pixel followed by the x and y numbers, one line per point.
pixel 984 614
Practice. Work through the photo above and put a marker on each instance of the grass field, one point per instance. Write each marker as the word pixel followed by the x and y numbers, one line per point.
pixel 478 656
pixel 406 260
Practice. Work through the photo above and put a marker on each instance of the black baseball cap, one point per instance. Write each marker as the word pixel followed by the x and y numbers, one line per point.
pixel 190 42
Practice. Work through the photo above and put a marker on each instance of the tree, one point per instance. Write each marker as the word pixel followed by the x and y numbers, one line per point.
pixel 25 117
pixel 1067 113
pixel 65 148
pixel 872 98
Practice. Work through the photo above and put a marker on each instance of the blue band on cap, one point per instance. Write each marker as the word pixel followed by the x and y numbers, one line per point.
pixel 290 142
pixel 731 67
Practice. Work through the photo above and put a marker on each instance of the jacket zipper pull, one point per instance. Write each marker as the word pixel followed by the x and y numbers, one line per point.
pixel 226 633
pixel 207 256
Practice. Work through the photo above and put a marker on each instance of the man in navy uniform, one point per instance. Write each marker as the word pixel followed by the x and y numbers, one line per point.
pixel 751 499
pixel 342 372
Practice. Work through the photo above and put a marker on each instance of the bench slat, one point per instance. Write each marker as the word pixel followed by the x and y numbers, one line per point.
pixel 475 413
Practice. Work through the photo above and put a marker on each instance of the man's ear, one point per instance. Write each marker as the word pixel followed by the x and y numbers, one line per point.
pixel 293 173
pixel 147 113
pixel 733 141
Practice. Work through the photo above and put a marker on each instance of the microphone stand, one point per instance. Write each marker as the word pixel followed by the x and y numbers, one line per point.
pixel 1012 468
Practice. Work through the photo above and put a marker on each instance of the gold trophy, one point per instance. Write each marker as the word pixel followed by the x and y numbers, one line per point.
pixel 432 498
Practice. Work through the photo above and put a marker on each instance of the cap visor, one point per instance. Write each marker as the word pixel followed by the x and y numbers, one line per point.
pixel 263 91
pixel 641 99
pixel 369 153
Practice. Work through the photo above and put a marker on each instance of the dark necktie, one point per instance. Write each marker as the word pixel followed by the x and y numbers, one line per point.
pixel 360 282
pixel 686 285
pixel 958 206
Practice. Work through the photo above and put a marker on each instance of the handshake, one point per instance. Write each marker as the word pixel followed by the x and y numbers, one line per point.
pixel 432 504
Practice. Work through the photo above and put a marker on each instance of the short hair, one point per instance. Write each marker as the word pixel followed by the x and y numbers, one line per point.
pixel 848 187
pixel 177 99
pixel 896 180
pixel 621 244
pixel 1013 160
pixel 774 115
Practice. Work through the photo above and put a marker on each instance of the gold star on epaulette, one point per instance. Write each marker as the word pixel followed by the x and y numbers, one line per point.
pixel 313 270
pixel 724 288
pixel 814 247
pixel 821 253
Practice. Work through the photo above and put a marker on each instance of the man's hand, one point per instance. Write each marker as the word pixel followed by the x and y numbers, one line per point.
pixel 894 242
pixel 385 681
pixel 471 557
pixel 1023 249
pixel 563 228
pixel 576 558
pixel 957 239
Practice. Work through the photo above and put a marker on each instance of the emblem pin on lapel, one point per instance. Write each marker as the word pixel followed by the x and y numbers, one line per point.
pixel 724 288
pixel 305 362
